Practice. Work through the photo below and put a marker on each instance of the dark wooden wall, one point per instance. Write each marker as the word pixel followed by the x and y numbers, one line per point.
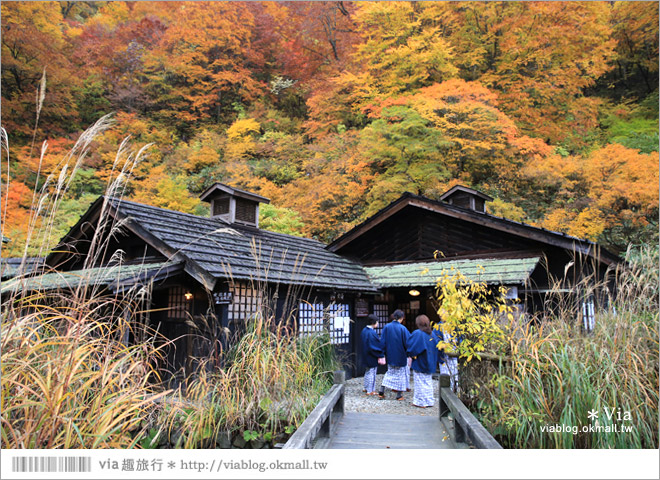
pixel 133 247
pixel 415 234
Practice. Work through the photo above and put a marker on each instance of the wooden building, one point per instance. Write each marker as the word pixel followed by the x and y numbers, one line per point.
pixel 405 247
pixel 208 276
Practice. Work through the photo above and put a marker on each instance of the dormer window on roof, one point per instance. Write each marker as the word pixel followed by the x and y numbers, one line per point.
pixel 233 205
pixel 465 197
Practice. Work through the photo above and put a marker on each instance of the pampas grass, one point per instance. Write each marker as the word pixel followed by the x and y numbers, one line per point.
pixel 71 378
pixel 559 373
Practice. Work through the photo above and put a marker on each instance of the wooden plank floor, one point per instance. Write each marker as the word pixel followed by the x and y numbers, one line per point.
pixel 371 430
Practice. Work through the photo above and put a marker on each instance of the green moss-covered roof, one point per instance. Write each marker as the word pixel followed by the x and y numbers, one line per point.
pixel 14 266
pixel 100 277
pixel 505 271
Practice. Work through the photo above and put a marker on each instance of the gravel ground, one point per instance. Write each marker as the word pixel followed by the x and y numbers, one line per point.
pixel 357 401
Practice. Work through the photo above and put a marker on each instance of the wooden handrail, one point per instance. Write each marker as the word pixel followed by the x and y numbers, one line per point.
pixel 484 356
pixel 466 426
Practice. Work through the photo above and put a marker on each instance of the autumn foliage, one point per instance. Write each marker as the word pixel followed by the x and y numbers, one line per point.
pixel 334 109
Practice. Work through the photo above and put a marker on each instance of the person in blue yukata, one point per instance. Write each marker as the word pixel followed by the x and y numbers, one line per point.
pixel 448 365
pixel 371 352
pixel 422 348
pixel 393 341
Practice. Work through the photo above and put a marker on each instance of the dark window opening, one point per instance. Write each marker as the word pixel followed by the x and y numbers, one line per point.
pixel 221 206
pixel 246 211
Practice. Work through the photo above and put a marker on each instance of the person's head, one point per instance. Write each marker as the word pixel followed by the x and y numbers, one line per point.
pixel 423 323
pixel 398 315
pixel 372 320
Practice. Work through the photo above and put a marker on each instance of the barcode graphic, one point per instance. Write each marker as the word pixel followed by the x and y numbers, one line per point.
pixel 51 464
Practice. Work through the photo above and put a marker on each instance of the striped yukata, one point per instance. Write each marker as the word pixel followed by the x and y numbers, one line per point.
pixel 423 391
pixel 370 379
pixel 395 378
pixel 450 367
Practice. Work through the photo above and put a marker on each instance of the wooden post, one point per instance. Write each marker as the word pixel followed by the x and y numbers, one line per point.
pixel 445 382
pixel 339 379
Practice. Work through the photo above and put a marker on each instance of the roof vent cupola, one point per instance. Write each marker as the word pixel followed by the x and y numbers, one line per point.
pixel 465 197
pixel 233 205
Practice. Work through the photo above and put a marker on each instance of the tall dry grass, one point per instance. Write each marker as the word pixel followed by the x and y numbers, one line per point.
pixel 559 373
pixel 79 364
pixel 68 380
pixel 272 381
pixel 69 377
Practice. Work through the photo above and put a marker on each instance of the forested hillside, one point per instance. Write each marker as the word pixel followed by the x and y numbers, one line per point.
pixel 334 109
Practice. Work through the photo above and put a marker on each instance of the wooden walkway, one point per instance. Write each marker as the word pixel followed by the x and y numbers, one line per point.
pixel 329 425
pixel 371 430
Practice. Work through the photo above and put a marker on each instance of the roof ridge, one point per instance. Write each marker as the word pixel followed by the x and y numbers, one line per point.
pixel 199 217
pixel 242 228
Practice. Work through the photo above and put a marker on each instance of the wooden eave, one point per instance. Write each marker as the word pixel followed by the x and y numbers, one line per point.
pixel 87 222
pixel 461 188
pixel 232 191
pixel 190 266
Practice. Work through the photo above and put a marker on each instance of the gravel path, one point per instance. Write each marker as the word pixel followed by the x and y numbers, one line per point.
pixel 357 401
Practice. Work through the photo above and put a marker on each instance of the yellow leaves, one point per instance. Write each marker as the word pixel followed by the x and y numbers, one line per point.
pixel 619 186
pixel 203 157
pixel 466 310
pixel 401 50
pixel 501 208
pixel 242 128
pixel 111 14
pixel 46 17
pixel 589 223
pixel 240 139
pixel 617 172
pixel 162 190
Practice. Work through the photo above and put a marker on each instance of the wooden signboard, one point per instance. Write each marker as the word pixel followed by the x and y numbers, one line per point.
pixel 361 307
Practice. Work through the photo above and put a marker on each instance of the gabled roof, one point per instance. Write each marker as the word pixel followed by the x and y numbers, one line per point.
pixel 493 271
pixel 407 200
pixel 461 188
pixel 212 249
pixel 222 188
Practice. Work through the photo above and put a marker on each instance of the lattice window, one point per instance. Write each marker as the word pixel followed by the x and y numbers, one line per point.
pixel 310 318
pixel 340 323
pixel 381 311
pixel 246 211
pixel 410 313
pixel 247 301
pixel 177 305
pixel 221 206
